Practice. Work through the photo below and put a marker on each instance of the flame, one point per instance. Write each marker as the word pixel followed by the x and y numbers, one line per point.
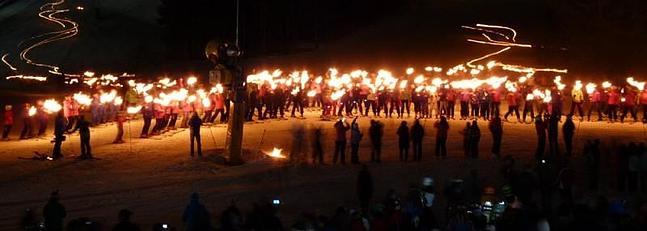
pixel 639 85
pixel 590 88
pixel 206 102
pixel 32 111
pixel 410 70
pixel 276 153
pixel 82 99
pixel 51 106
pixel 578 85
pixel 606 84
pixel 134 110
pixel 118 101
pixel 191 80
pixel 558 83
pixel 530 96
pixel 108 97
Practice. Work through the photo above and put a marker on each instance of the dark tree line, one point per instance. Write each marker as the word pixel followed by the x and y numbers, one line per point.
pixel 266 26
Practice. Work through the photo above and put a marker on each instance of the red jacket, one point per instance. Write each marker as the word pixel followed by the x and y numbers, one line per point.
pixel 496 96
pixel 341 129
pixel 8 117
pixel 513 98
pixel 219 102
pixel 451 96
pixel 595 97
pixel 643 97
pixel 630 99
pixel 614 98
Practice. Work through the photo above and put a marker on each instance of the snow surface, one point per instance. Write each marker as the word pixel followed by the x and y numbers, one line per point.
pixel 157 177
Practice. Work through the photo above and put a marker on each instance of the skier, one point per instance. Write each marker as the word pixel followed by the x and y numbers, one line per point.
pixel 194 123
pixel 59 134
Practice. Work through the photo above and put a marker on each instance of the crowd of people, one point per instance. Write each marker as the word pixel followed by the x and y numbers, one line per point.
pixel 170 104
pixel 540 196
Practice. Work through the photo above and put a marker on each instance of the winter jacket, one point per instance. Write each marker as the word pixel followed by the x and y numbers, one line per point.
pixel 417 132
pixel 340 129
pixel 442 127
pixel 8 117
pixel 577 95
pixel 355 135
pixel 614 98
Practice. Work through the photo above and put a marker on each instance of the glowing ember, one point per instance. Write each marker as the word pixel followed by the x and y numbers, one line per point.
pixel 276 153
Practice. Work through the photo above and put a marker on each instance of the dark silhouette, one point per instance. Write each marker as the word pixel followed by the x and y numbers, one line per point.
pixel 317 146
pixel 466 139
pixel 59 135
pixel 496 128
pixel 341 127
pixel 540 128
pixel 196 217
pixel 417 134
pixel 592 154
pixel 84 132
pixel 403 141
pixel 376 132
pixel 124 222
pixel 231 219
pixel 442 127
pixel 195 123
pixel 355 137
pixel 54 213
pixel 364 187
pixel 475 138
pixel 553 135
pixel 568 131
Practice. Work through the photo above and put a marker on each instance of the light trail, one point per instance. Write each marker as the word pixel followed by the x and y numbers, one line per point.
pixel 37 78
pixel 514 32
pixel 486 30
pixel 505 44
pixel 508 45
pixel 469 64
pixel 57 35
pixel 48 12
pixel 4 60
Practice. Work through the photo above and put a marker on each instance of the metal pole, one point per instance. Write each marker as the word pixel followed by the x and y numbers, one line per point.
pixel 237 21
pixel 130 138
pixel 213 138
